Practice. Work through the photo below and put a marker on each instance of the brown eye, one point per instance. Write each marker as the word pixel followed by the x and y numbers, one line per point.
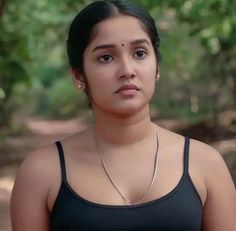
pixel 106 58
pixel 140 54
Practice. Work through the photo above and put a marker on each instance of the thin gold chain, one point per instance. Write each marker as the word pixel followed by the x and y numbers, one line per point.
pixel 156 162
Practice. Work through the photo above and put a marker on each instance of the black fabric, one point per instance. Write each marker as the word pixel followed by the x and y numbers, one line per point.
pixel 179 210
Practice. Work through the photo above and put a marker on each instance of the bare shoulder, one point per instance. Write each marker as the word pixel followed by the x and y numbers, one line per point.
pixel 39 166
pixel 44 164
pixel 220 206
pixel 211 165
pixel 208 159
pixel 34 179
pixel 202 156
pixel 204 151
pixel 36 175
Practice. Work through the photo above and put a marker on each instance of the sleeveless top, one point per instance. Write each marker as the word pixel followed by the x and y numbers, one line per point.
pixel 179 210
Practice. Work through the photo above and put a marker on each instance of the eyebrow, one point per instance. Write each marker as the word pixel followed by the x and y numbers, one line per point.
pixel 138 41
pixel 106 46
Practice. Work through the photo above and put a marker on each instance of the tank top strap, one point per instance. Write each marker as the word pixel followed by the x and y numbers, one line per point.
pixel 186 155
pixel 62 160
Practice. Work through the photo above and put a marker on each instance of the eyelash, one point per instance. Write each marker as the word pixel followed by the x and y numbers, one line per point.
pixel 144 53
pixel 101 58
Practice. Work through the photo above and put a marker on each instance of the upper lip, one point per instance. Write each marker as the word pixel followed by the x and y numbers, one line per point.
pixel 128 87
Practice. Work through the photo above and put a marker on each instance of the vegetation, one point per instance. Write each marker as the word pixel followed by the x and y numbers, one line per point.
pixel 198 67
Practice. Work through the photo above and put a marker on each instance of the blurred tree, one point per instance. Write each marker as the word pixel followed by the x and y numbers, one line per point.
pixel 213 22
pixel 12 51
pixel 31 48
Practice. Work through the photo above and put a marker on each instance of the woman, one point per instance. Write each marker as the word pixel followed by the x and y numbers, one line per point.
pixel 127 173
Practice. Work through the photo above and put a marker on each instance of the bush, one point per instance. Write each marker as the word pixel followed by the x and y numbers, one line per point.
pixel 61 100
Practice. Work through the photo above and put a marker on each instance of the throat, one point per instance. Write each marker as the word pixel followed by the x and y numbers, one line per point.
pixel 123 134
pixel 120 130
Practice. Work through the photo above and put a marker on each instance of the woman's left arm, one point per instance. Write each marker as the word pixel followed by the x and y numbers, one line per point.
pixel 219 211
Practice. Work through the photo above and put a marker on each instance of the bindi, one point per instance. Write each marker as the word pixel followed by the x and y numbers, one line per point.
pixel 122 44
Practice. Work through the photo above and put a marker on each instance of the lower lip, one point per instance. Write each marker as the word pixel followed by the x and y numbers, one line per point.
pixel 127 92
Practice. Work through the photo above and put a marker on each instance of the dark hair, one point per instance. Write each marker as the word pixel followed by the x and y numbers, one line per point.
pixel 81 31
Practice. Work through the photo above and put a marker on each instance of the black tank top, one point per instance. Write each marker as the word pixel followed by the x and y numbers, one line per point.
pixel 179 210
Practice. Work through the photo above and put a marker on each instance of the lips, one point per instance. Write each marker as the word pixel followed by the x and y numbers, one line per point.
pixel 127 87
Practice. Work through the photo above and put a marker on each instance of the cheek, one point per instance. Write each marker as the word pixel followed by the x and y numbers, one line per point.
pixel 98 81
pixel 100 84
pixel 100 75
pixel 148 73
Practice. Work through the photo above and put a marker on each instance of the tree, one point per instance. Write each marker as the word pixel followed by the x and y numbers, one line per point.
pixel 29 44
pixel 12 51
pixel 214 23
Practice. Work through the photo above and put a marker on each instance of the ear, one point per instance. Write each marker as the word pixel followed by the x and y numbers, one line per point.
pixel 158 73
pixel 78 79
pixel 76 75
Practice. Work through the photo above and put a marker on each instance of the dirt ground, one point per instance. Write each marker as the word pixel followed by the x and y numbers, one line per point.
pixel 42 132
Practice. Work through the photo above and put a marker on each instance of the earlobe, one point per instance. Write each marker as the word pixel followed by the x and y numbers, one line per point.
pixel 158 74
pixel 80 86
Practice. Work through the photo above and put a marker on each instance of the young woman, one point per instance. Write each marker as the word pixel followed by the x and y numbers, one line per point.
pixel 127 173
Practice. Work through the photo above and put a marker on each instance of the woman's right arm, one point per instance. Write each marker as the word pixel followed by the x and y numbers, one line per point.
pixel 29 210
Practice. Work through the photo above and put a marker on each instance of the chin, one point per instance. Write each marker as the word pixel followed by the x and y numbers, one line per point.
pixel 129 109
pixel 123 109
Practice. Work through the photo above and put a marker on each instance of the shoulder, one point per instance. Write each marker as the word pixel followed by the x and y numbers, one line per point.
pixel 208 159
pixel 39 166
pixel 205 154
pixel 220 205
pixel 201 153
pixel 206 162
pixel 44 162
pixel 34 179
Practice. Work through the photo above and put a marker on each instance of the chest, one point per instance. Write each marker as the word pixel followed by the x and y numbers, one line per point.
pixel 132 177
pixel 178 210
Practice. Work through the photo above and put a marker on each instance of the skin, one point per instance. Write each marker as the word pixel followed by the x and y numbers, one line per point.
pixel 126 137
pixel 118 65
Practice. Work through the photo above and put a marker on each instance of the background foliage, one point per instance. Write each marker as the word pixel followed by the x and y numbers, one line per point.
pixel 198 67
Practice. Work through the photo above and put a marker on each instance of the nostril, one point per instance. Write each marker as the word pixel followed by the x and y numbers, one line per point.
pixel 126 70
pixel 127 76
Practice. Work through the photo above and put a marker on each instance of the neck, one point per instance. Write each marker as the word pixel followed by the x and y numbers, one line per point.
pixel 125 130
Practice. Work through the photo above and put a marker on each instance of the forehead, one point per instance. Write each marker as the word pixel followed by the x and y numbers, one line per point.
pixel 119 29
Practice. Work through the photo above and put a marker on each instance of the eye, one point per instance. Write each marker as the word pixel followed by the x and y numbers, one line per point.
pixel 105 58
pixel 140 54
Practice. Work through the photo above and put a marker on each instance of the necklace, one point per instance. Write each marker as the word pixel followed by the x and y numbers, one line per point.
pixel 126 201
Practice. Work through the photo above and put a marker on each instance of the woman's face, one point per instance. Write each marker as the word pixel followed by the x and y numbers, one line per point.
pixel 120 66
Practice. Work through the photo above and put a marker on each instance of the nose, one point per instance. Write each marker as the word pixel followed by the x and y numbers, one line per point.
pixel 126 69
